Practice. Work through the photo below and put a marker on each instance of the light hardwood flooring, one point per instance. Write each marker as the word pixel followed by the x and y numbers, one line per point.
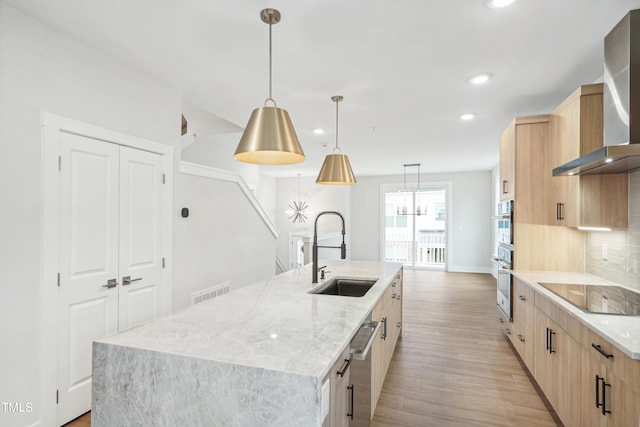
pixel 452 367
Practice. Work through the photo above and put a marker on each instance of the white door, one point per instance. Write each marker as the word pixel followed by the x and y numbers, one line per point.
pixel 140 257
pixel 110 228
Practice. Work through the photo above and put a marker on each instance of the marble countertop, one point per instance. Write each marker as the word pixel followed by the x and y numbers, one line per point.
pixel 272 324
pixel 622 331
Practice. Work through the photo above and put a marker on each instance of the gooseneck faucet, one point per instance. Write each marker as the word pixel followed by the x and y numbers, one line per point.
pixel 343 247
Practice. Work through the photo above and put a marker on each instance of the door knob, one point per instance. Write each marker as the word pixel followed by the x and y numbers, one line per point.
pixel 111 283
pixel 126 280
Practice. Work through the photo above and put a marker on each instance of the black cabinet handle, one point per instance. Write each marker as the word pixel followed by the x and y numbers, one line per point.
pixel 522 298
pixel 347 363
pixel 598 378
pixel 520 338
pixel 601 351
pixel 384 331
pixel 550 333
pixel 350 413
pixel 548 345
pixel 559 213
pixel 500 320
pixel 605 411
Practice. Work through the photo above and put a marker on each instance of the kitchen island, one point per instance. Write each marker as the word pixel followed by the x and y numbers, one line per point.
pixel 254 357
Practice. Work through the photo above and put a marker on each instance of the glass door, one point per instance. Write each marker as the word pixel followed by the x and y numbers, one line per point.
pixel 415 227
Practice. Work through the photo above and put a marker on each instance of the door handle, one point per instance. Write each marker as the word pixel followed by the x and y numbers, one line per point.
pixel 111 283
pixel 126 280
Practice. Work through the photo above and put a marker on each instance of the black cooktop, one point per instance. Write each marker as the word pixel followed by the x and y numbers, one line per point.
pixel 598 299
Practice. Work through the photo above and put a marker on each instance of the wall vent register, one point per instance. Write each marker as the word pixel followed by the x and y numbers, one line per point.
pixel 598 299
pixel 212 292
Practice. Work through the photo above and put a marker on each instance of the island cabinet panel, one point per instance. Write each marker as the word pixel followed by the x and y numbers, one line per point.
pixel 557 367
pixel 591 200
pixel 340 409
pixel 610 384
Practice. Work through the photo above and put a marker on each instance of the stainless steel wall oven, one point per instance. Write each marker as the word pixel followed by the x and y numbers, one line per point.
pixel 505 257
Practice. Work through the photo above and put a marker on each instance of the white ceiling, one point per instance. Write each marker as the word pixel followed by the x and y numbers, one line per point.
pixel 402 67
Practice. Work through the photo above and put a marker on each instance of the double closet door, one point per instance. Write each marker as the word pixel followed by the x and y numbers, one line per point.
pixel 110 260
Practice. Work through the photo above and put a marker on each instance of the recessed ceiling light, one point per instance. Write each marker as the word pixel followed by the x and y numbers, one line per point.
pixel 318 131
pixel 467 116
pixel 499 3
pixel 479 79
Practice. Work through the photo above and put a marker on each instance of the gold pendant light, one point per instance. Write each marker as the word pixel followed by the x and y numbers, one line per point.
pixel 336 169
pixel 269 138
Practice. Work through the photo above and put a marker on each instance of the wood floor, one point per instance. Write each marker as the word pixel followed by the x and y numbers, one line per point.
pixel 452 366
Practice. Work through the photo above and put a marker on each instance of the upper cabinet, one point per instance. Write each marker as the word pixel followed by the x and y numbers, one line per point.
pixel 525 144
pixel 508 162
pixel 576 128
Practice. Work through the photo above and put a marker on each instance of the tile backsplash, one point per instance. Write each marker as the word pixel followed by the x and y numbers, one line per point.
pixel 623 247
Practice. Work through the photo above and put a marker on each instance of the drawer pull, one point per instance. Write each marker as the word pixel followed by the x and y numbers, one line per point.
pixel 522 297
pixel 599 349
pixel 347 363
pixel 520 338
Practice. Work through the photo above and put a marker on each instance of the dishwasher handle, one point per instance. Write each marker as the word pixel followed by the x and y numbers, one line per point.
pixel 361 353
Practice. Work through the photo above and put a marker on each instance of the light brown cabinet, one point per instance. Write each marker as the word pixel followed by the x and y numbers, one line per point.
pixel 592 200
pixel 610 394
pixel 557 367
pixel 340 409
pixel 508 163
pixel 587 380
pixel 532 165
pixel 388 312
pixel 525 144
pixel 523 315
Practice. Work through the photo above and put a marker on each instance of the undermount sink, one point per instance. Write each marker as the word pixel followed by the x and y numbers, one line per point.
pixel 344 286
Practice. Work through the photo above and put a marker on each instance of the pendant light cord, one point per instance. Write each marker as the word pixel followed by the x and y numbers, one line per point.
pixel 270 65
pixel 337 102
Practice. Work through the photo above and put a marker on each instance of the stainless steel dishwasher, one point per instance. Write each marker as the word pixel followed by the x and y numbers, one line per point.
pixel 361 372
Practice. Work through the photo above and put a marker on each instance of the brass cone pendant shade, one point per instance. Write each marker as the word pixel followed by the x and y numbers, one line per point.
pixel 269 138
pixel 336 169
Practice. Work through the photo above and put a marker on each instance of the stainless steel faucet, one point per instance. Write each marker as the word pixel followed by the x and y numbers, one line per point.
pixel 343 247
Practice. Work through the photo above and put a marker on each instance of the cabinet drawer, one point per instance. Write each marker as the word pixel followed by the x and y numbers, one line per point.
pixel 618 363
pixel 523 340
pixel 523 302
pixel 505 325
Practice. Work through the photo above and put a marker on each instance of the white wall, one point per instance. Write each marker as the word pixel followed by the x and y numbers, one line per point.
pixel 43 70
pixel 470 227
pixel 222 239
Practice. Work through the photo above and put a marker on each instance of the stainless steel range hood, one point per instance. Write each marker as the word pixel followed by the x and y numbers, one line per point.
pixel 621 153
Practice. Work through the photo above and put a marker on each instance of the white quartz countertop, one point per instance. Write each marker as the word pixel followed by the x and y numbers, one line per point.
pixel 621 331
pixel 272 324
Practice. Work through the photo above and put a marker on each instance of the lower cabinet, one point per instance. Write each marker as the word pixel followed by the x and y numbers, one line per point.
pixel 557 368
pixel 341 402
pixel 369 374
pixel 610 395
pixel 587 380
pixel 523 319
